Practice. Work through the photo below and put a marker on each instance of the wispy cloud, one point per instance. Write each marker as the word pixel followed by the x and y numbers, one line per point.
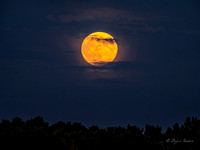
pixel 188 31
pixel 109 40
pixel 96 14
pixel 122 19
pixel 120 65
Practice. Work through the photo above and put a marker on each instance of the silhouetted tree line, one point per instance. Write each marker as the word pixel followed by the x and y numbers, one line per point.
pixel 37 134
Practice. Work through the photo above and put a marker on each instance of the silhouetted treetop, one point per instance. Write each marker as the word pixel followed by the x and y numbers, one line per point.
pixel 38 134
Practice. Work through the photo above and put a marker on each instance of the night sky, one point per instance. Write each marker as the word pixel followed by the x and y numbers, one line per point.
pixel 154 79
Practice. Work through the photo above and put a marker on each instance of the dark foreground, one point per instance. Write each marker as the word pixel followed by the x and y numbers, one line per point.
pixel 37 134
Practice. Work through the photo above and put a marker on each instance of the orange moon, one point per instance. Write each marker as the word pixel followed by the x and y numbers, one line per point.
pixel 99 48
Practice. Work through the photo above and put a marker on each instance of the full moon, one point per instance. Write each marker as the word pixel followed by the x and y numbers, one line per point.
pixel 99 48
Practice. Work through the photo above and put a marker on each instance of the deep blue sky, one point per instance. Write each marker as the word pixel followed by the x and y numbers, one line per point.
pixel 155 78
